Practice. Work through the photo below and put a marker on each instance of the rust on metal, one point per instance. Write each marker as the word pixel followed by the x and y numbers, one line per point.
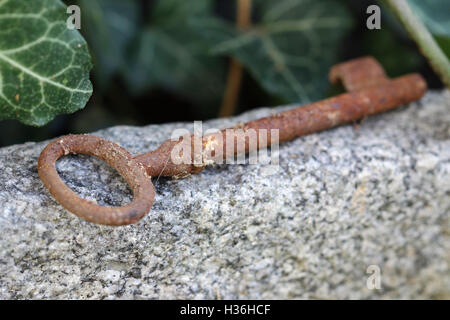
pixel 370 92
pixel 117 157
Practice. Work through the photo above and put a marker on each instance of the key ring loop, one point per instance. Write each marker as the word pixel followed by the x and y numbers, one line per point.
pixel 117 157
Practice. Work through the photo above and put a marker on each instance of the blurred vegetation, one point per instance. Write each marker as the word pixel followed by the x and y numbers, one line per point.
pixel 161 61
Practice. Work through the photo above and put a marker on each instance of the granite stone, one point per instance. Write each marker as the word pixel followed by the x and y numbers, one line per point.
pixel 373 194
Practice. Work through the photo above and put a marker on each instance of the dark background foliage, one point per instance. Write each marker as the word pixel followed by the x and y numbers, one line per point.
pixel 138 81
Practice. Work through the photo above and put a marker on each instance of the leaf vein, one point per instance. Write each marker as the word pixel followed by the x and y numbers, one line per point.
pixel 37 76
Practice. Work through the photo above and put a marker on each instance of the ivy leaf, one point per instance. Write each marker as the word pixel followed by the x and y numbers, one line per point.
pixel 44 66
pixel 290 50
pixel 436 16
pixel 170 54
pixel 172 12
pixel 109 27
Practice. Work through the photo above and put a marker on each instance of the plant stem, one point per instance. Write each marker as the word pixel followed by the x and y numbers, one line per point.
pixel 425 41
pixel 234 79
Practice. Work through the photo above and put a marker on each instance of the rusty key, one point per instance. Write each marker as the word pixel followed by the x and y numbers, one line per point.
pixel 369 91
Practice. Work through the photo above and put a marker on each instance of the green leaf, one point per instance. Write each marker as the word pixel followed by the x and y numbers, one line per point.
pixel 170 54
pixel 436 16
pixel 290 50
pixel 444 43
pixel 109 27
pixel 172 12
pixel 44 66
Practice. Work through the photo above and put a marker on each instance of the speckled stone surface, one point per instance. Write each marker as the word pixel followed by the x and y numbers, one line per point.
pixel 340 201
